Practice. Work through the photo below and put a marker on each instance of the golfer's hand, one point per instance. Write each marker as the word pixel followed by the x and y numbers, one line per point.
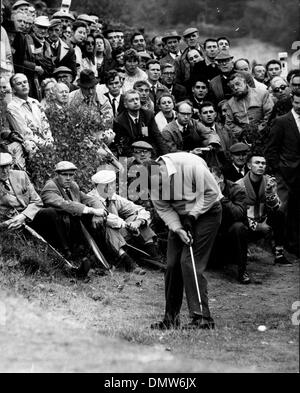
pixel 184 236
pixel 97 221
pixel 134 225
pixel 17 222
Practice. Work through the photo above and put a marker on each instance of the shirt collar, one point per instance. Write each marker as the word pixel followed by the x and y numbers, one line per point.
pixel 171 169
pixel 296 116
pixel 179 126
pixel 133 118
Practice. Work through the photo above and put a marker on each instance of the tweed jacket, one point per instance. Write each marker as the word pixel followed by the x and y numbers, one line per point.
pixel 22 197
pixel 53 195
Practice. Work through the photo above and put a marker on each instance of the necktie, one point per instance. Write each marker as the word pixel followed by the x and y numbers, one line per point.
pixel 69 195
pixel 154 94
pixel 28 105
pixel 114 106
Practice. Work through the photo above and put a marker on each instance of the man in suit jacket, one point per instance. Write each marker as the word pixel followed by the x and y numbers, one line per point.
pixel 116 99
pixel 61 53
pixel 171 41
pixel 283 155
pixel 136 124
pixel 185 133
pixel 156 88
pixel 73 207
pixel 168 76
pixel 20 204
pixel 238 167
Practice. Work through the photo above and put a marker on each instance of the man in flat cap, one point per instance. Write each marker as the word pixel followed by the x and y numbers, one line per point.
pixel 171 41
pixel 65 75
pixel 72 206
pixel 62 54
pixel 66 18
pixel 20 204
pixel 126 221
pixel 20 5
pixel 183 67
pixel 238 166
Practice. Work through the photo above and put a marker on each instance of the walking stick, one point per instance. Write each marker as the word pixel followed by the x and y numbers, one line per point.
pixel 195 273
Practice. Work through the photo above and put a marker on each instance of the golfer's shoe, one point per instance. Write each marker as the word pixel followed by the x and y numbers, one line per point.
pixel 244 277
pixel 166 325
pixel 200 323
pixel 281 260
pixel 83 268
pixel 131 266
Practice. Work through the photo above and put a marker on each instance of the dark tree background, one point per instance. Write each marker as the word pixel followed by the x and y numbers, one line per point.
pixel 274 21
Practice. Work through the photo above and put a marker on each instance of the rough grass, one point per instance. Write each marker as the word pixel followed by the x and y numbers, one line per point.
pixel 123 306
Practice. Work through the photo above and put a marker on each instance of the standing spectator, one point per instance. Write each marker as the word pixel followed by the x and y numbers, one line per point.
pixel 116 98
pixel 154 72
pixel 168 78
pixel 223 43
pixel 143 88
pixel 283 154
pixel 88 54
pixel 273 68
pixel 133 72
pixel 244 65
pixel 136 124
pixel 259 72
pixel 171 41
pixel 79 35
pixel 219 84
pixel 6 60
pixel 157 47
pixel 183 67
pixel 199 94
pixel 248 111
pixel 138 42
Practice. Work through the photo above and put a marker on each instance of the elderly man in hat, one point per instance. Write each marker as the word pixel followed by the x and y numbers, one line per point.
pixel 183 67
pixel 157 47
pixel 20 204
pixel 72 205
pixel 126 222
pixel 89 98
pixel 65 75
pixel 171 41
pixel 62 55
pixel 20 5
pixel 238 166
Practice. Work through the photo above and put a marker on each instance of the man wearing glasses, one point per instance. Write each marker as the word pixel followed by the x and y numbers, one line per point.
pixel 168 76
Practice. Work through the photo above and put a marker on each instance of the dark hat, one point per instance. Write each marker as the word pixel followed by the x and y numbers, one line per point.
pixel 87 79
pixel 142 145
pixel 190 31
pixel 62 69
pixel 171 34
pixel 224 54
pixel 239 147
pixel 19 4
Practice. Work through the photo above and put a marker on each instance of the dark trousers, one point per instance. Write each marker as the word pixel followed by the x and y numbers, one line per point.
pixel 276 220
pixel 180 273
pixel 231 246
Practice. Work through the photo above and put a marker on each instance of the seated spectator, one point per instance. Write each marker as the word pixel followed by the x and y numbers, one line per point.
pixel 166 114
pixel 264 215
pixel 248 111
pixel 143 88
pixel 65 75
pixel 102 61
pixel 199 95
pixel 60 95
pixel 28 121
pixel 168 78
pixel 114 95
pixel 132 72
pixel 126 222
pixel 185 133
pixel 47 91
pixel 231 243
pixel 73 207
pixel 136 124
pixel 237 168
pixel 219 84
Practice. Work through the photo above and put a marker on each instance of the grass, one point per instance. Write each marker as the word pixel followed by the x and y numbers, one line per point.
pixel 124 306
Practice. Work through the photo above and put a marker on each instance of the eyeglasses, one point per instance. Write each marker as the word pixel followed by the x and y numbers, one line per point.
pixel 224 61
pixel 279 88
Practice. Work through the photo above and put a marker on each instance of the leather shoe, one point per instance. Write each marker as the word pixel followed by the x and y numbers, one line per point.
pixel 200 323
pixel 281 260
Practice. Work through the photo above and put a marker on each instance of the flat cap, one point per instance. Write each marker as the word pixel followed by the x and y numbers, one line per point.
pixel 223 54
pixel 65 166
pixel 5 159
pixel 86 18
pixel 42 21
pixel 190 31
pixel 144 55
pixel 55 22
pixel 19 3
pixel 170 34
pixel 142 145
pixel 63 14
pixel 62 69
pixel 239 147
pixel 104 177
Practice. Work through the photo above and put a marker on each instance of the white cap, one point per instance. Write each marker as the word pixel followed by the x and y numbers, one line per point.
pixel 42 21
pixel 104 177
pixel 65 166
pixel 5 159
